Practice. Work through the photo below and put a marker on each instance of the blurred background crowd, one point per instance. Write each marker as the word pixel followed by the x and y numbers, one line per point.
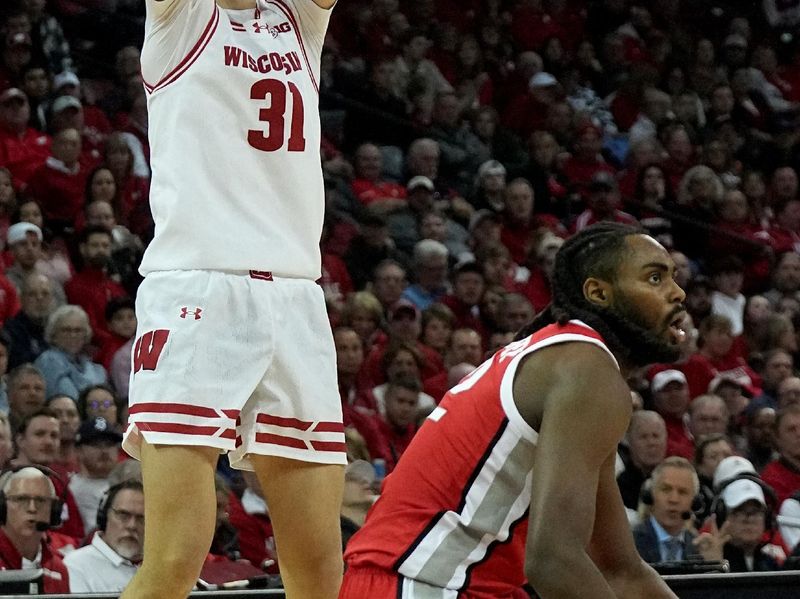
pixel 463 142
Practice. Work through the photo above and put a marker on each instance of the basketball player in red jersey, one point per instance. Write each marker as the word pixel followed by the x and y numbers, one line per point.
pixel 511 478
pixel 234 352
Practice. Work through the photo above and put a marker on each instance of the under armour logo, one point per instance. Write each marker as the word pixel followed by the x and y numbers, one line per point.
pixel 196 312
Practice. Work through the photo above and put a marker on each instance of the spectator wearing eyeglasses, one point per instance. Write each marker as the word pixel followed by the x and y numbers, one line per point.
pixel 66 367
pixel 99 401
pixel 29 498
pixel 98 444
pixel 112 558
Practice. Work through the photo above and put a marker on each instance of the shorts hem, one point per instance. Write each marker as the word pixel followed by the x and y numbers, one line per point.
pixel 239 457
pixel 133 437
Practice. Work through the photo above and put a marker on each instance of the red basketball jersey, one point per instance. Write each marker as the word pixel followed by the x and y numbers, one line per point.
pixel 453 514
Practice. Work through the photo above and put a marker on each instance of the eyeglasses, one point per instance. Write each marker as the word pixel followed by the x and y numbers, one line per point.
pixel 72 330
pixel 126 516
pixel 25 500
pixel 105 403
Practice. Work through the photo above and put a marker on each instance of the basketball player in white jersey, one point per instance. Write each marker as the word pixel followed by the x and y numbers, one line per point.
pixel 234 351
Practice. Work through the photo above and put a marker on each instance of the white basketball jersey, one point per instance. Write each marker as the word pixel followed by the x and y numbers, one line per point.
pixel 235 136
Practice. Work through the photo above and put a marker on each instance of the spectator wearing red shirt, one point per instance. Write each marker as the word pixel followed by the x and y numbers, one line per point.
pixel 604 202
pixel 131 204
pixel 250 517
pixel 91 287
pixel 526 113
pixel 96 126
pixel 59 184
pixel 368 186
pixel 20 538
pixel 783 474
pixel 22 148
pixel 537 287
pixel 586 160
pixel 714 358
pixel 671 399
pixel 9 299
pixel 120 318
pixel 349 360
pixel 784 234
pixel 397 425
pixel 465 301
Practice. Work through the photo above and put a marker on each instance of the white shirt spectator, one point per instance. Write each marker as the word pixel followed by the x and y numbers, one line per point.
pixel 97 568
pixel 87 493
pixel 732 307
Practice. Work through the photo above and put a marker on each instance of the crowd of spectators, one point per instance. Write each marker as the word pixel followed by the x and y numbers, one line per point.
pixel 462 143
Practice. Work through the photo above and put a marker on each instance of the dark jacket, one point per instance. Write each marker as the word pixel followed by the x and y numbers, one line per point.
pixel 644 535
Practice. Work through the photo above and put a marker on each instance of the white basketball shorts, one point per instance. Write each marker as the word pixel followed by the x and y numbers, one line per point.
pixel 239 361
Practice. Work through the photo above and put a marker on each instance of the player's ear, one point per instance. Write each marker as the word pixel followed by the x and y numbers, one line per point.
pixel 598 292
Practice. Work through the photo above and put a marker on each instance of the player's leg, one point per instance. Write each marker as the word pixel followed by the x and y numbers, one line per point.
pixel 304 499
pixel 180 506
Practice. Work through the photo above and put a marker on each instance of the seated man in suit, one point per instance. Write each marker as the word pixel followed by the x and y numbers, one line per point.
pixel 664 535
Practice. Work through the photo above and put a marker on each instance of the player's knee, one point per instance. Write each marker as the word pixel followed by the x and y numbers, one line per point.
pixel 174 572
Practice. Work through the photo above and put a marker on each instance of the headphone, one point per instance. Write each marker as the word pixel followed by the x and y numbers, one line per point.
pixel 646 497
pixel 107 500
pixel 56 506
pixel 720 510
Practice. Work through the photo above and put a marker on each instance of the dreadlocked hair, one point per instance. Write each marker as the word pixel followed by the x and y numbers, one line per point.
pixel 594 252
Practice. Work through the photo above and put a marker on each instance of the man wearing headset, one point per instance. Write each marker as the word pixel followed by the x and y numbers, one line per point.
pixel 29 506
pixel 110 561
pixel 663 536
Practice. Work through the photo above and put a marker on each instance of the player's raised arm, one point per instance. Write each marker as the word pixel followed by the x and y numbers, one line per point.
pixel 156 8
pixel 585 408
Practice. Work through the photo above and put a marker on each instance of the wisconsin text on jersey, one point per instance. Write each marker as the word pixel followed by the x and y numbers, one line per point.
pixel 274 61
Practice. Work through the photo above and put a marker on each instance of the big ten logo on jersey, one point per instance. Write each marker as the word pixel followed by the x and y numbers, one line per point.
pixel 273 31
pixel 148 348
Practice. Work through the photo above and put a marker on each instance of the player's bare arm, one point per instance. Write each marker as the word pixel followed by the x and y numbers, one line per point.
pixel 160 7
pixel 612 547
pixel 576 398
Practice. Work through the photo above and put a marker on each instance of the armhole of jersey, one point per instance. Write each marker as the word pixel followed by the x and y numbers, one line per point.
pixel 515 419
pixel 175 68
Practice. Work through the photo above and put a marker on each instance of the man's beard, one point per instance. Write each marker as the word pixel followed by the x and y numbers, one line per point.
pixel 641 345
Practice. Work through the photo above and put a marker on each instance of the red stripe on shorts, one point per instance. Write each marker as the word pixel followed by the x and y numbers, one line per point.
pixel 329 446
pixel 302 425
pixel 281 440
pixel 329 427
pixel 185 429
pixel 180 408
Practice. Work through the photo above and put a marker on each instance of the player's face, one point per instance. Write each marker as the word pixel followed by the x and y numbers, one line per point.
pixel 645 291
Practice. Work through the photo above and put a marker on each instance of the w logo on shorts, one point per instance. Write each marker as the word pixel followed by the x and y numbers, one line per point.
pixel 148 348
